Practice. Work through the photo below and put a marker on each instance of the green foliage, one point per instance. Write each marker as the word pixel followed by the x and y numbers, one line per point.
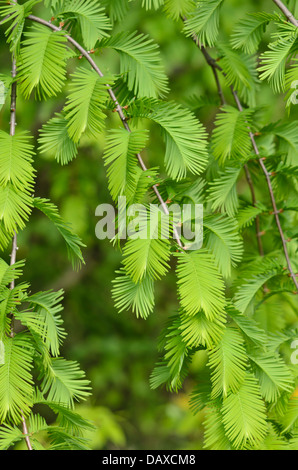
pixel 199 269
pixel 16 183
pixel 140 64
pixel 73 241
pixel 87 16
pixel 244 415
pixel 230 137
pixel 55 139
pixel 42 62
pixel 120 155
pixel 85 104
pixel 185 137
pixel 235 311
pixel 281 51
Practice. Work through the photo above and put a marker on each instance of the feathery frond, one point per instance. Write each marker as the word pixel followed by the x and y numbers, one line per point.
pixel 184 135
pixel 91 20
pixel 84 110
pixel 204 22
pixel 42 62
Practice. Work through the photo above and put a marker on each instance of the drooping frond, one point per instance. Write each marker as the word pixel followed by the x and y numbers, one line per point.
pixel 244 415
pixel 15 207
pixel 228 363
pixel 250 31
pixel 230 139
pixel 273 375
pixel 185 137
pixel 137 297
pixel 223 191
pixel 9 435
pixel 63 382
pixel 249 328
pixel 172 370
pixel 9 299
pixel 16 383
pixel 143 180
pixel 197 330
pixel 274 60
pixel 16 161
pixel 240 72
pixel 179 8
pixel 223 241
pixel 148 4
pixel 62 440
pixel 290 417
pixel 287 139
pixel 73 241
pixel 69 420
pixel 148 252
pixel 9 273
pixel 55 140
pixel 5 88
pixel 85 103
pixel 43 318
pixel 16 13
pixel 120 156
pixel 117 9
pixel 247 215
pixel 215 436
pixel 246 293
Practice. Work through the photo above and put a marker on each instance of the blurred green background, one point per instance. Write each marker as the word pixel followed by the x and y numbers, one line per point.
pixel 117 351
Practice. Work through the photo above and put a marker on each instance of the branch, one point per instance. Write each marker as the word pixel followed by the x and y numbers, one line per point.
pixel 288 14
pixel 118 108
pixel 213 63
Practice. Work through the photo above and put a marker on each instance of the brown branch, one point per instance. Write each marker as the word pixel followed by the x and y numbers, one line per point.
pixel 213 63
pixel 118 109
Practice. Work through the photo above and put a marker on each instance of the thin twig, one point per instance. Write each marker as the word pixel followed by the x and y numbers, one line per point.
pixel 118 109
pixel 215 68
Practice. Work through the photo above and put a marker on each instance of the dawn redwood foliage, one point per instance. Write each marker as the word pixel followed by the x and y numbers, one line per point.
pixel 226 290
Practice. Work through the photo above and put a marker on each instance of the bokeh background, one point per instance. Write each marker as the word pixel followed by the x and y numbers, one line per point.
pixel 118 351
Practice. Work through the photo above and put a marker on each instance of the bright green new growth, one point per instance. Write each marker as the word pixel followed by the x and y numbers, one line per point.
pixel 224 289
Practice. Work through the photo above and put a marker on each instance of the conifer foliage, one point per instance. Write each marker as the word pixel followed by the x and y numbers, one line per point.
pixel 224 289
